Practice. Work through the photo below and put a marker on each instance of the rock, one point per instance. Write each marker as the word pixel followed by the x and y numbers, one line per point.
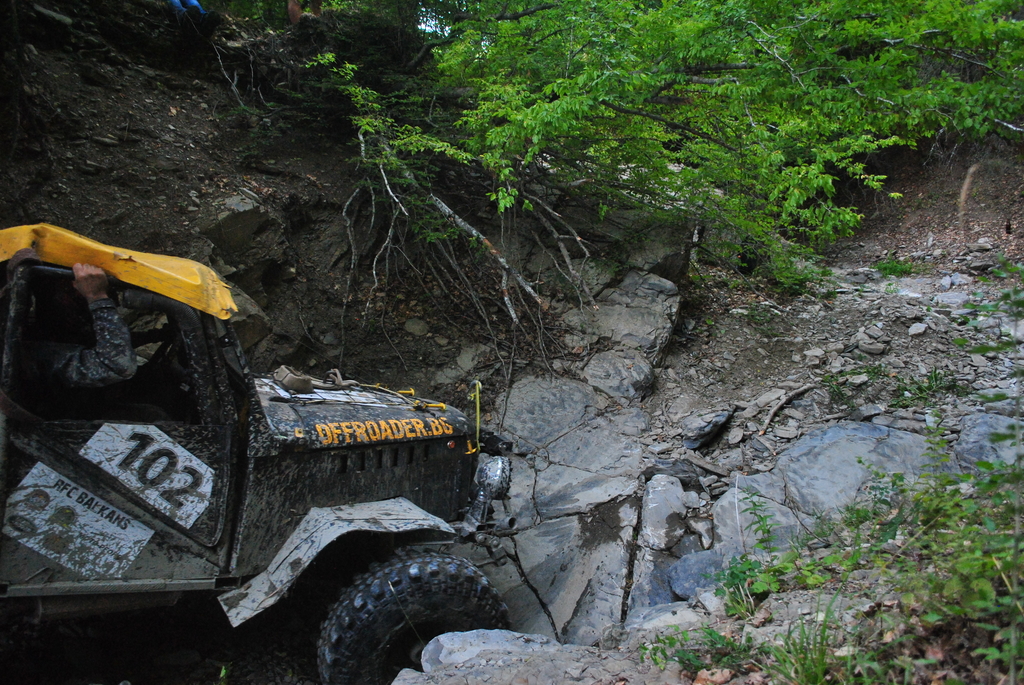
pixel 596 549
pixel 703 528
pixel 858 380
pixel 917 329
pixel 714 604
pixel 975 442
pixel 470 355
pixel 538 410
pixel 871 347
pixel 650 579
pixel 714 676
pixel 250 322
pixel 769 397
pixel 953 299
pixel 457 648
pixel 604 445
pixel 821 473
pixel 675 615
pixel 663 513
pixel 640 313
pixel 691 500
pixel 688 544
pixel 865 412
pixel 239 220
pixel 682 469
pixel 695 571
pixel 620 373
pixel 1004 407
pixel 700 429
pixel 683 406
pixel 562 490
pixel 735 436
pixel 734 531
pixel 417 327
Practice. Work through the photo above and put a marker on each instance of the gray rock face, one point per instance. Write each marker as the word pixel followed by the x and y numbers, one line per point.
pixel 250 321
pixel 975 443
pixel 236 225
pixel 620 373
pixel 682 469
pixel 663 513
pixel 953 299
pixel 579 566
pixel 640 313
pixel 456 648
pixel 820 472
pixel 676 614
pixel 695 571
pixel 651 585
pixel 538 410
pixel 562 490
pixel 734 534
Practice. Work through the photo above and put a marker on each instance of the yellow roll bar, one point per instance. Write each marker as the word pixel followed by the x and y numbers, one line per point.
pixel 180 279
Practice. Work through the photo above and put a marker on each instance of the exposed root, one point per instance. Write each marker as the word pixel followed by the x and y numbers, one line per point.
pixel 965 192
pixel 785 399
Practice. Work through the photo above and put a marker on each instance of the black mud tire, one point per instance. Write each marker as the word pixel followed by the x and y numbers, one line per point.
pixel 383 620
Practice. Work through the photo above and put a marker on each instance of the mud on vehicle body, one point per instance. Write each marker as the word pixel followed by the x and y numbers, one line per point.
pixel 196 475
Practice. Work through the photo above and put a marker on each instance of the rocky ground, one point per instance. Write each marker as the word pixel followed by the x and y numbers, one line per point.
pixel 657 407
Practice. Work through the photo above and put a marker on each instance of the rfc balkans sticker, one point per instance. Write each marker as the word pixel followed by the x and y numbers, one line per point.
pixel 70 525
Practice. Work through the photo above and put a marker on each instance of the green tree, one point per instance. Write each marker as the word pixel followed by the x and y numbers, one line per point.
pixel 744 111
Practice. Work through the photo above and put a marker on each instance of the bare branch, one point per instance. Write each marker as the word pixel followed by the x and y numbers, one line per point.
pixel 425 51
pixel 782 402
pixel 577 279
pixel 507 16
pixel 1010 126
pixel 466 227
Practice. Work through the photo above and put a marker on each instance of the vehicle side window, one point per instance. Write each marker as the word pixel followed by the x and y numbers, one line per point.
pixel 56 330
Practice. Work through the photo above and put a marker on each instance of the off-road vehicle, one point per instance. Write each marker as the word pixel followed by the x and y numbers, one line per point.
pixel 197 475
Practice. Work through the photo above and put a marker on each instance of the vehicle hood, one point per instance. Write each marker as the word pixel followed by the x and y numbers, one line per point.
pixel 360 416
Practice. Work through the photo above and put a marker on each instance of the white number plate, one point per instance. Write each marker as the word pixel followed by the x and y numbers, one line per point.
pixel 159 470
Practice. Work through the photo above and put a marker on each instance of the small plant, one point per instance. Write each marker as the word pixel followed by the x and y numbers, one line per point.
pixel 913 392
pixel 672 647
pixel 707 648
pixel 891 288
pixel 894 268
pixel 807 656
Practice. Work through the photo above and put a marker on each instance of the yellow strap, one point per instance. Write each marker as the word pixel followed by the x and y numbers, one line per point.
pixel 474 394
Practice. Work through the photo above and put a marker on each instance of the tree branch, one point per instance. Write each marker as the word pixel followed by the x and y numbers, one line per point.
pixel 506 16
pixel 668 122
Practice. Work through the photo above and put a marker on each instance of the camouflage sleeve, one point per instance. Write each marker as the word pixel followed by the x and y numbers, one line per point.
pixel 112 359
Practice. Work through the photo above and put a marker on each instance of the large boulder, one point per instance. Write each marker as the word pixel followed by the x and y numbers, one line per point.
pixel 578 566
pixel 539 410
pixel 640 313
pixel 620 373
pixel 976 440
pixel 824 470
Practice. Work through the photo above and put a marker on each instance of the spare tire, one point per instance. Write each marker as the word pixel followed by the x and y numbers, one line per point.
pixel 384 619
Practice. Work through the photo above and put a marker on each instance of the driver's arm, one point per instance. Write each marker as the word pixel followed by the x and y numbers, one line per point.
pixel 112 359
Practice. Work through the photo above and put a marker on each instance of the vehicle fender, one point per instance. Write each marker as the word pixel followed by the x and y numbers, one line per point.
pixel 318 529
